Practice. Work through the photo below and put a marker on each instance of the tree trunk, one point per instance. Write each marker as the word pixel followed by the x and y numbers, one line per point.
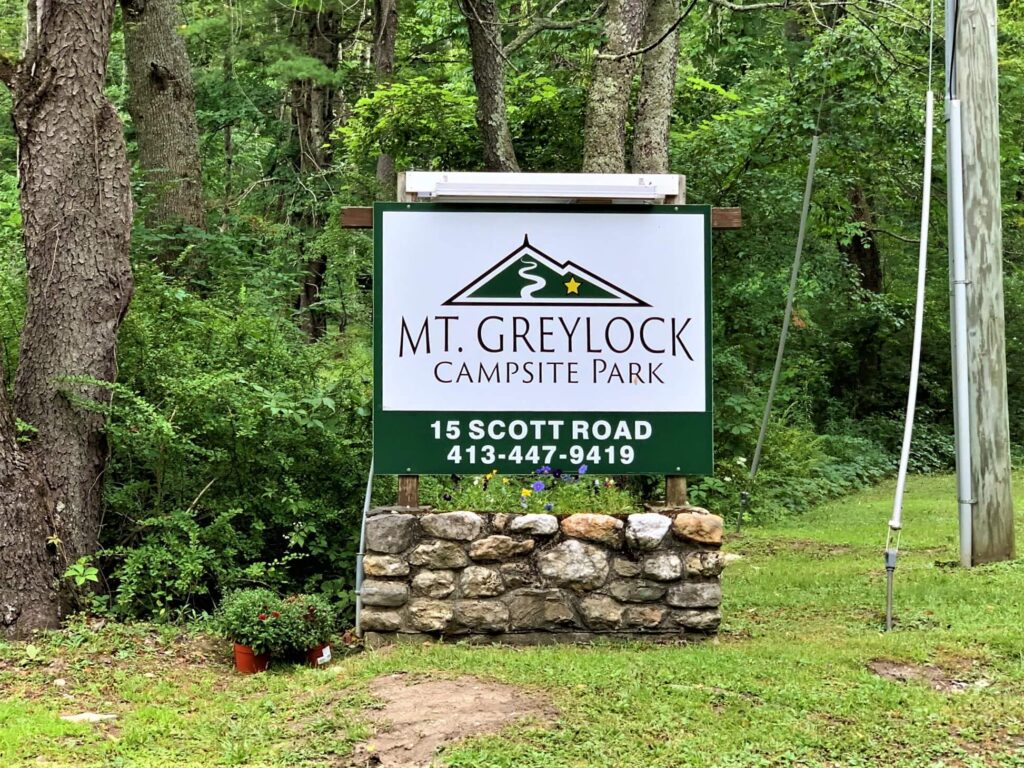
pixel 76 208
pixel 604 129
pixel 312 104
pixel 863 255
pixel 484 23
pixel 657 90
pixel 385 32
pixel 163 109
pixel 28 574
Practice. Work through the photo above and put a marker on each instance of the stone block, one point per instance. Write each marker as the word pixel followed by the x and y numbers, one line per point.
pixel 601 612
pixel 436 584
pixel 539 609
pixel 439 554
pixel 624 567
pixel 384 593
pixel 696 620
pixel 646 532
pixel 458 526
pixel 644 616
pixel 704 564
pixel 636 591
pixel 478 581
pixel 390 533
pixel 518 575
pixel 499 548
pixel 663 566
pixel 696 594
pixel 538 525
pixel 385 565
pixel 482 615
pixel 425 615
pixel 379 620
pixel 604 529
pixel 574 564
pixel 700 526
pixel 500 521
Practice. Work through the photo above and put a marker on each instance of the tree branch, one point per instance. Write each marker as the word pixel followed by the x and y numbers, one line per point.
pixel 544 23
pixel 895 236
pixel 783 5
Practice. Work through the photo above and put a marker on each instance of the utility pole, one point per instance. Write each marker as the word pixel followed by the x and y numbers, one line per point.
pixel 972 72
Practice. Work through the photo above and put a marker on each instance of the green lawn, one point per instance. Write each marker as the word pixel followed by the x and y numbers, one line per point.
pixel 785 684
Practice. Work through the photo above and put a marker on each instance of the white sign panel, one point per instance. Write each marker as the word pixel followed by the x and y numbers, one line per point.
pixel 543 310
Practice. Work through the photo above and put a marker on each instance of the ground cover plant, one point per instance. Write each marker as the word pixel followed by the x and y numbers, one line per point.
pixel 801 674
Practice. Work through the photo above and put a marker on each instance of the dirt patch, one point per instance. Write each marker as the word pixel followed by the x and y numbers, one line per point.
pixel 420 717
pixel 938 679
pixel 815 550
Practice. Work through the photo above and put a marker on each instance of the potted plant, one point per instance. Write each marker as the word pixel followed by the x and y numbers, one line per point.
pixel 311 622
pixel 254 620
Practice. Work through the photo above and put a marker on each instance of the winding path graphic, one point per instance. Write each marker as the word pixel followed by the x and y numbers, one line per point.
pixel 536 281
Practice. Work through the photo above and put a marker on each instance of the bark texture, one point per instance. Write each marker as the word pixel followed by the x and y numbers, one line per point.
pixel 312 107
pixel 484 23
pixel 163 109
pixel 385 32
pixel 604 130
pixel 76 207
pixel 657 90
pixel 28 575
pixel 978 83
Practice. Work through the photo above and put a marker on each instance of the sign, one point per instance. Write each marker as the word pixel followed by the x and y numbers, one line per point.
pixel 513 336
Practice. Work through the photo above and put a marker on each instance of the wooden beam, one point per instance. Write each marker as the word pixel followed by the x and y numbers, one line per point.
pixel 408 490
pixel 357 218
pixel 977 86
pixel 362 218
pixel 675 491
pixel 726 218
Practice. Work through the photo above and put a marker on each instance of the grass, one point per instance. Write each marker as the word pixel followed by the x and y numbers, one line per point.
pixel 785 684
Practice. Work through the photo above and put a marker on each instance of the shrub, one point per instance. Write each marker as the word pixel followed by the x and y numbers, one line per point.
pixel 310 621
pixel 253 617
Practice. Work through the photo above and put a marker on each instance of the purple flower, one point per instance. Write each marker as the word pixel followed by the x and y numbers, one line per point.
pixel 545 470
pixel 447 497
pixel 538 486
pixel 583 469
pixel 557 473
pixel 548 507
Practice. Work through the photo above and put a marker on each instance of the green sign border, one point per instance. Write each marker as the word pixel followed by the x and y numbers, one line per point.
pixel 681 443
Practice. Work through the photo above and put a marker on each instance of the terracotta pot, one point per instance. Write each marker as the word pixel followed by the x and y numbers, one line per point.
pixel 248 662
pixel 319 655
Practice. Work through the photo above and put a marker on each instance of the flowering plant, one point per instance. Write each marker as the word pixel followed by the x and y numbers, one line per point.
pixel 310 621
pixel 547 489
pixel 253 617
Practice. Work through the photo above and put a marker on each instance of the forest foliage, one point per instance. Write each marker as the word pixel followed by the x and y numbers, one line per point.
pixel 239 444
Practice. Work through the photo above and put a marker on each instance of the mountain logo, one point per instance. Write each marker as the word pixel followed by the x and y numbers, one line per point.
pixel 528 276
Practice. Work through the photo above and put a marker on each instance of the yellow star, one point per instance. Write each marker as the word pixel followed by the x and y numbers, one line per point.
pixel 572 286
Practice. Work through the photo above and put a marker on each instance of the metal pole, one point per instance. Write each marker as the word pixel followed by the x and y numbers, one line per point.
pixel 362 552
pixel 890 570
pixel 958 303
pixel 794 274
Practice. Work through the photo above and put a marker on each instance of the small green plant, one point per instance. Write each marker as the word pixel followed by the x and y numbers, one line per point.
pixel 310 621
pixel 253 617
pixel 82 571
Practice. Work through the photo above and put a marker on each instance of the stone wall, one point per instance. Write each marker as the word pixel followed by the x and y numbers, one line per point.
pixel 535 577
